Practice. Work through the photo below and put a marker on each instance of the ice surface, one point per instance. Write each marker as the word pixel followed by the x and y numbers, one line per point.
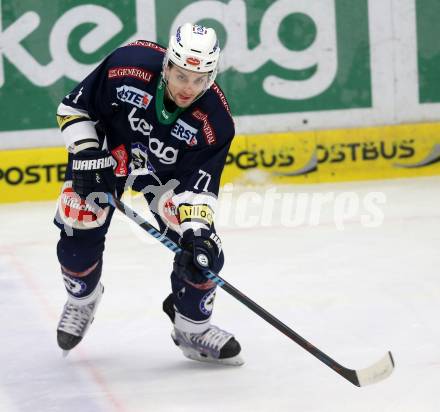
pixel 354 280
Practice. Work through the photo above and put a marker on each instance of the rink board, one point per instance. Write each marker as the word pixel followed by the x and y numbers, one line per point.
pixel 277 158
pixel 31 174
pixel 335 155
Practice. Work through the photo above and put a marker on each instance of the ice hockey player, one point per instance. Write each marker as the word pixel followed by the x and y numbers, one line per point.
pixel 155 120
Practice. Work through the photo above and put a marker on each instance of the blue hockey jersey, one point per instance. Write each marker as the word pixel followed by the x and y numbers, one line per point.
pixel 120 105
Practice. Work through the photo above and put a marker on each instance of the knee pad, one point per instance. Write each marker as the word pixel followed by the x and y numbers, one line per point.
pixel 78 254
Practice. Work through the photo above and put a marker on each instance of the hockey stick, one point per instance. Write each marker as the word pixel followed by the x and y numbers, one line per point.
pixel 361 377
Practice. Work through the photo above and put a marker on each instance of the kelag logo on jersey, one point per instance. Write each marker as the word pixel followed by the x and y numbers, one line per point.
pixel 134 96
pixel 183 131
pixel 138 124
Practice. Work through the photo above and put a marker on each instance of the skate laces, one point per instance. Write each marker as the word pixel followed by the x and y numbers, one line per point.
pixel 75 319
pixel 214 338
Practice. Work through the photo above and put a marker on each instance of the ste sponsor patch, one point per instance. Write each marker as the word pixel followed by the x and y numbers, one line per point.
pixel 134 96
pixel 195 213
pixel 183 131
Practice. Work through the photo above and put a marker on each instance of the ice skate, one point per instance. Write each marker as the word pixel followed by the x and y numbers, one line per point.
pixel 76 318
pixel 213 345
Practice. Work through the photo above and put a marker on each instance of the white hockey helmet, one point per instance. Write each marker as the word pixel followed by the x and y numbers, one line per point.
pixel 194 48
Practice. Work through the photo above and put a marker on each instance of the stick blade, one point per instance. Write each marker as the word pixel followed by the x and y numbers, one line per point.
pixel 377 372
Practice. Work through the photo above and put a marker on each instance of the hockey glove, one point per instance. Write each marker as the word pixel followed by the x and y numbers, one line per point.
pixel 92 171
pixel 200 252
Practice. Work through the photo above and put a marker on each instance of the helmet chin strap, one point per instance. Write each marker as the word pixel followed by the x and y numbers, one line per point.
pixel 169 94
pixel 167 89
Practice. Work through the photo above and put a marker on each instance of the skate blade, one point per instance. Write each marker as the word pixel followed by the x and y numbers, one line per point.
pixel 194 355
pixel 65 353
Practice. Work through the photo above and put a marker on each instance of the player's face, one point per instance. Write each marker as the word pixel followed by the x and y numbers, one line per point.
pixel 184 85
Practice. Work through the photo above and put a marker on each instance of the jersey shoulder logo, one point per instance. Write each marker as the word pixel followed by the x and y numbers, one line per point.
pixel 134 72
pixel 208 129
